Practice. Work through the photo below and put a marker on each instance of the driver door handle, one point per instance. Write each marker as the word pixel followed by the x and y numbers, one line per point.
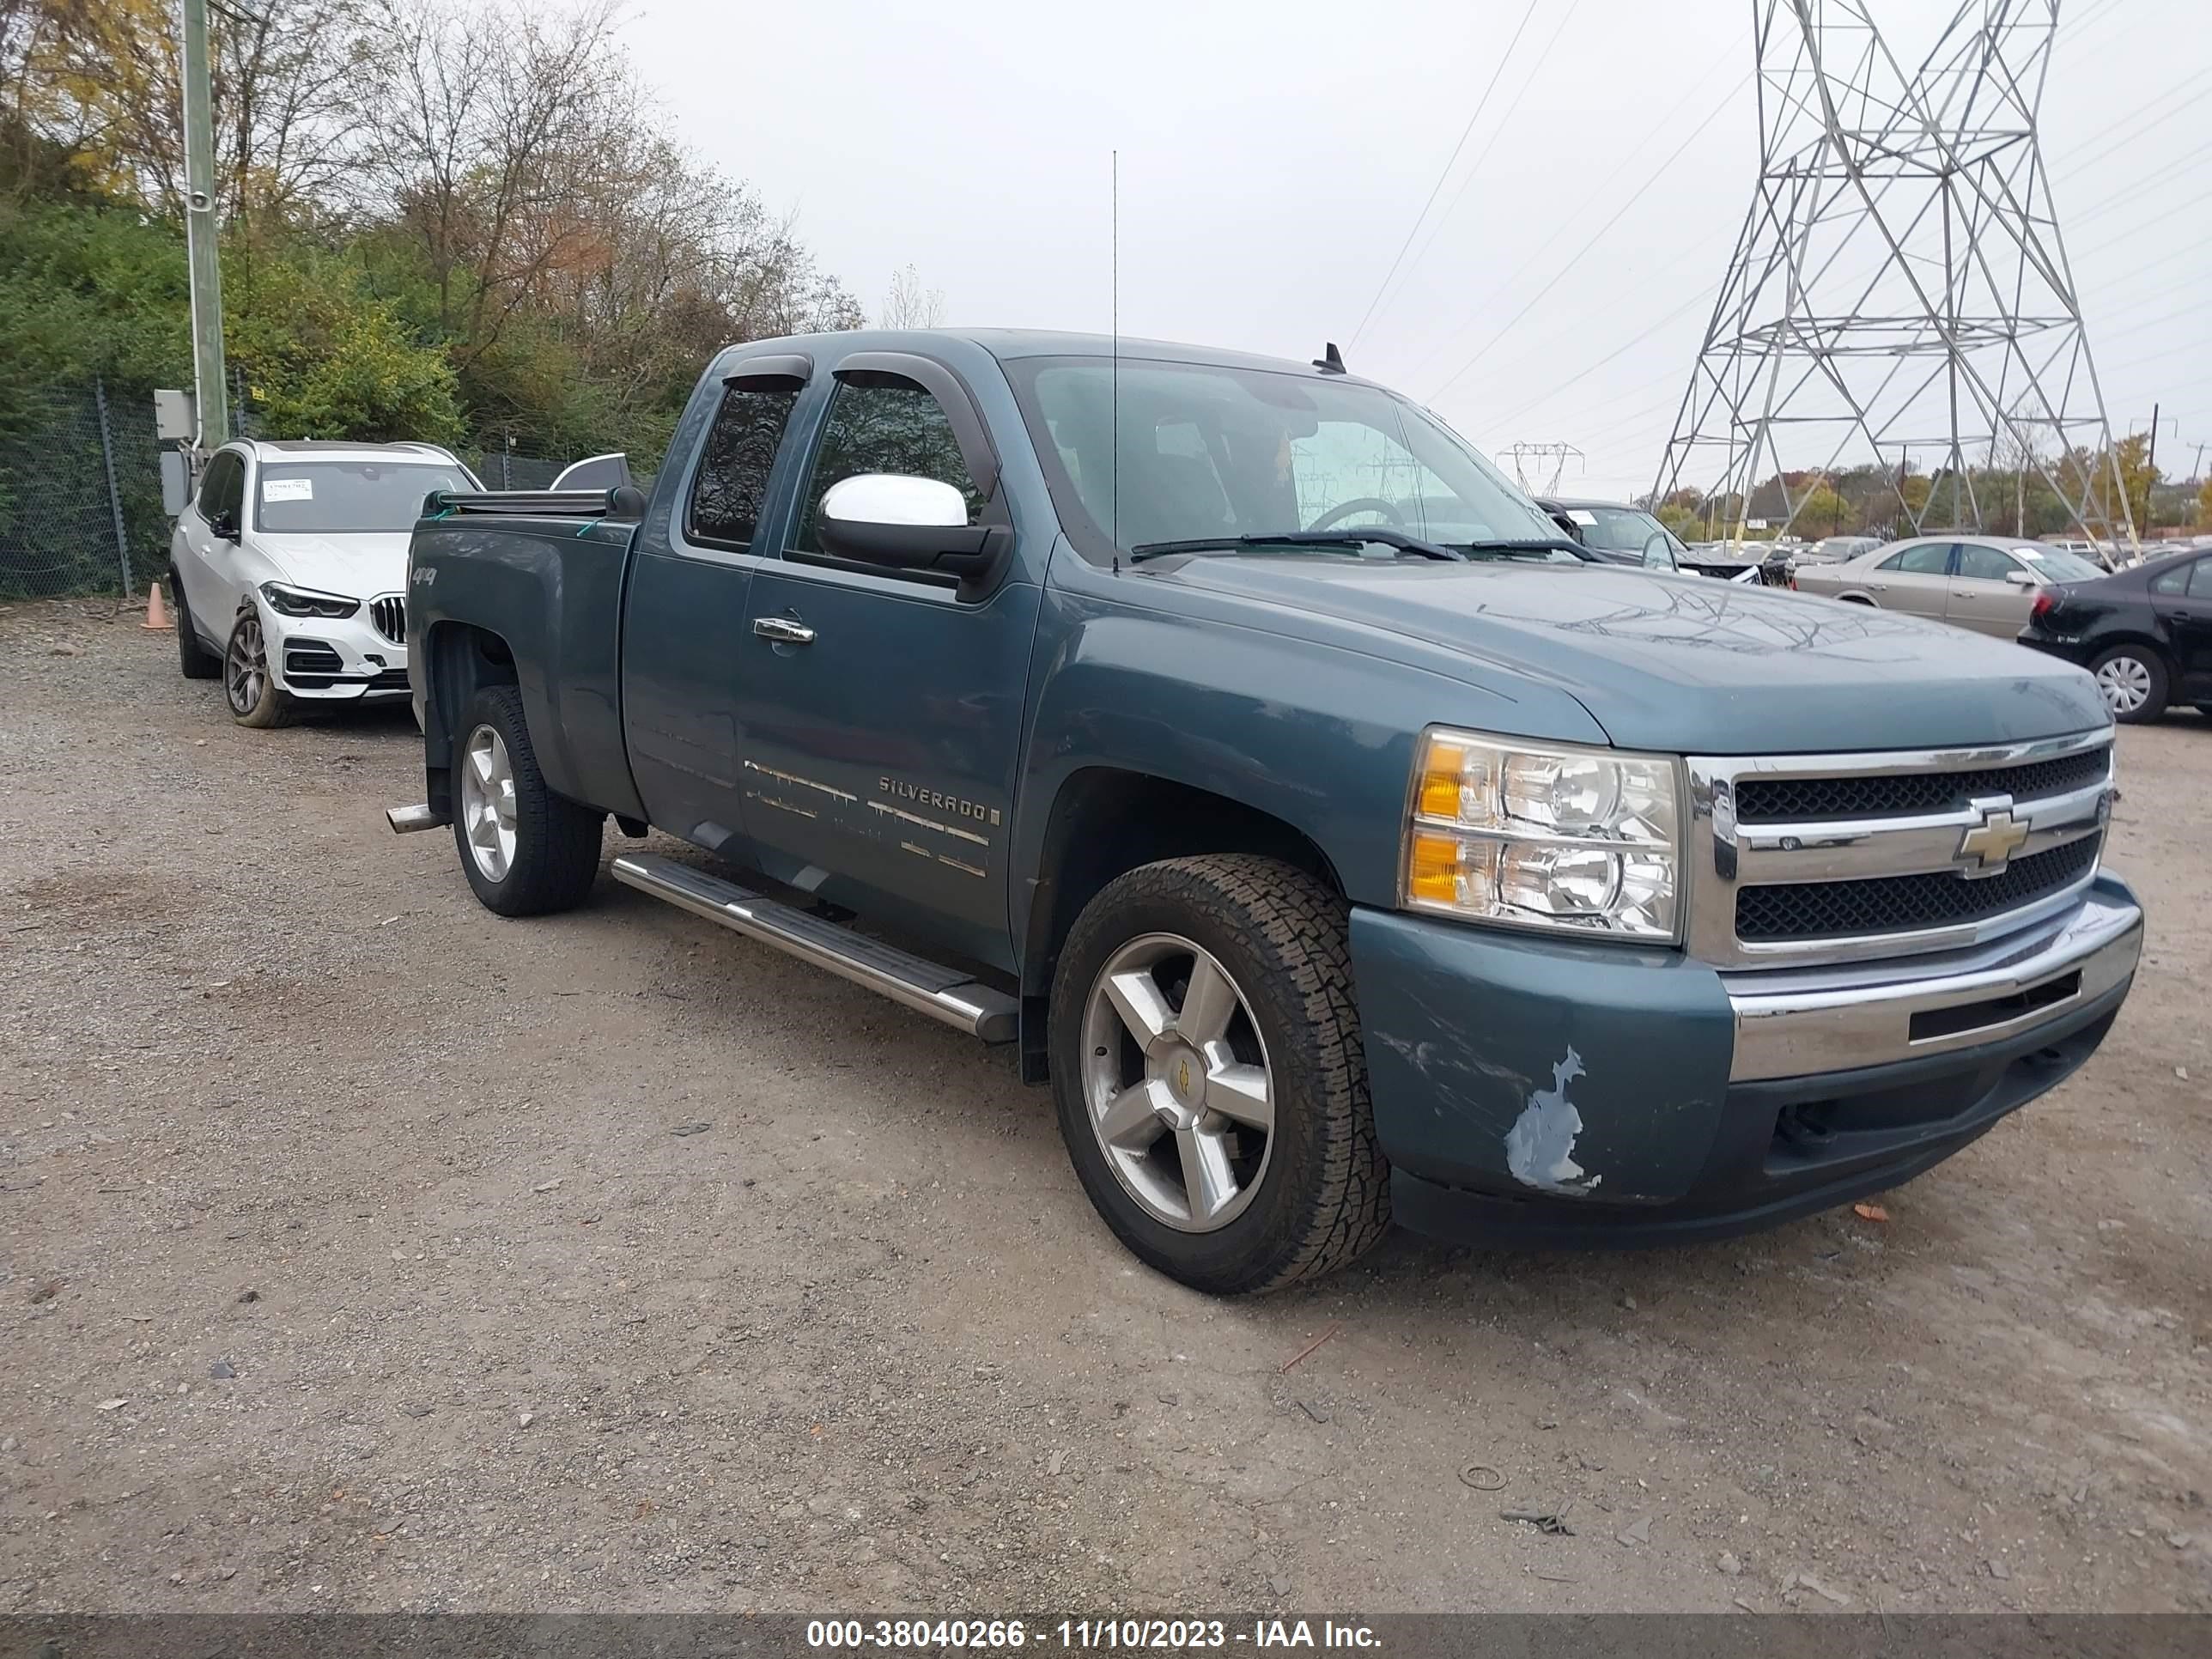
pixel 785 630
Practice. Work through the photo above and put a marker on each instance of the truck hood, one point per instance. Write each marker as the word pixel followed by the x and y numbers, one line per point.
pixel 360 566
pixel 1689 664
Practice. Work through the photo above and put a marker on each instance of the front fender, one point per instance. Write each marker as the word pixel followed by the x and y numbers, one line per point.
pixel 1317 735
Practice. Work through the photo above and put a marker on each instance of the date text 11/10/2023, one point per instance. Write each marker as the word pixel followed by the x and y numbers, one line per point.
pixel 989 1635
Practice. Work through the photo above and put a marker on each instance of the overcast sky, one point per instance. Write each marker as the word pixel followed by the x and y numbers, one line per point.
pixel 1274 156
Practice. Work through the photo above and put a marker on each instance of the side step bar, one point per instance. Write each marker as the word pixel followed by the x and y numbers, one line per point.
pixel 949 994
pixel 407 820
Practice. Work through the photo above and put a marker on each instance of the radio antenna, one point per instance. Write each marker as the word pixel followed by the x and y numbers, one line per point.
pixel 1114 192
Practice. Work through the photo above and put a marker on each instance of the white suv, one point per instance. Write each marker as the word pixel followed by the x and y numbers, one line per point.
pixel 288 569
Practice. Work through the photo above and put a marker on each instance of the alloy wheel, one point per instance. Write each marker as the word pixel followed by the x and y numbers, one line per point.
pixel 488 803
pixel 1176 1076
pixel 246 666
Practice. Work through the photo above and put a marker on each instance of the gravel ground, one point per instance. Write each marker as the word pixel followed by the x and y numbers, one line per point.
pixel 364 1250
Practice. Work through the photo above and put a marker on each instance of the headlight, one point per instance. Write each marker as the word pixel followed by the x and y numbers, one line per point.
pixel 306 602
pixel 1551 837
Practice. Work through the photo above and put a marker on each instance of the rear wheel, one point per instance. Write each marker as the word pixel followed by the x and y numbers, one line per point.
pixel 526 850
pixel 247 685
pixel 2132 682
pixel 1208 1070
pixel 197 662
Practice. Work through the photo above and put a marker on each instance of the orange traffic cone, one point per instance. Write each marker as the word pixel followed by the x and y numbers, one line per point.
pixel 157 610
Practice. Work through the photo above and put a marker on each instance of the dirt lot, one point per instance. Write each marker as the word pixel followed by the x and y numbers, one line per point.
pixel 357 1255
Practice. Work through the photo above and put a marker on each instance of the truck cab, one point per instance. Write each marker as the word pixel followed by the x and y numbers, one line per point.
pixel 1334 836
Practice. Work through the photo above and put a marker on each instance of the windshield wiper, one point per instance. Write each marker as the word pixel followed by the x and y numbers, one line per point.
pixel 1378 536
pixel 1539 544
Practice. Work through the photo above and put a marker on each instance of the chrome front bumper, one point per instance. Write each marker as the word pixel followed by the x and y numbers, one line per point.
pixel 1795 1023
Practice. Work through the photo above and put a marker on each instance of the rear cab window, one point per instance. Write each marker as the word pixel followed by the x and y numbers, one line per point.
pixel 730 488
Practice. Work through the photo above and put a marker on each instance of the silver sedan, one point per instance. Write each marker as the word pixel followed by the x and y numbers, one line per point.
pixel 1987 583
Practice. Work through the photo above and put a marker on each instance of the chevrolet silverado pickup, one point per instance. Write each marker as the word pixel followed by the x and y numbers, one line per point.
pixel 1233 741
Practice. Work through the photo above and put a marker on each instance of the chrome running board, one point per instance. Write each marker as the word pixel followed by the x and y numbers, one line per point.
pixel 407 820
pixel 949 994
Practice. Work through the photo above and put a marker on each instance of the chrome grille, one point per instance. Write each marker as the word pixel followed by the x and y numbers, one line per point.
pixel 389 613
pixel 1833 858
pixel 1901 794
pixel 1898 905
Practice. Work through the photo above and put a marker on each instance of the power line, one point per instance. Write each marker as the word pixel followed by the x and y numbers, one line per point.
pixel 1597 192
pixel 2147 182
pixel 1474 167
pixel 1466 132
pixel 1553 390
pixel 1574 259
pixel 2121 137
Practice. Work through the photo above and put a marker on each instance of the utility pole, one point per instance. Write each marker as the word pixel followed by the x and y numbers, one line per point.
pixel 2150 468
pixel 209 393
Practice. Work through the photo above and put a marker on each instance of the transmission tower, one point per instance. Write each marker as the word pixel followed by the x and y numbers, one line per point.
pixel 1524 455
pixel 1899 296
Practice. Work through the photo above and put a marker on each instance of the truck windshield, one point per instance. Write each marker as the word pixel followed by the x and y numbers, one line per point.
pixel 1212 453
pixel 335 497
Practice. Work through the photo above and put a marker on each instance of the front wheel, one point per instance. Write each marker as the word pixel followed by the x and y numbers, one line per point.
pixel 247 685
pixel 526 850
pixel 2132 682
pixel 1208 1074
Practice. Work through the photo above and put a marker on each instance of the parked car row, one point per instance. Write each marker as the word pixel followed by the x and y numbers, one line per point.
pixel 2145 631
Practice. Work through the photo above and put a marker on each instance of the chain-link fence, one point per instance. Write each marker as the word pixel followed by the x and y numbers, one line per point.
pixel 81 490
pixel 502 468
pixel 79 494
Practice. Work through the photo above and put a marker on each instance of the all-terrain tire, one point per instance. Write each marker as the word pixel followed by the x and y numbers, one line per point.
pixel 1323 1197
pixel 556 841
pixel 197 662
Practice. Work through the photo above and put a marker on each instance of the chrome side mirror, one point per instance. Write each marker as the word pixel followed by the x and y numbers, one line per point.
pixel 894 498
pixel 905 522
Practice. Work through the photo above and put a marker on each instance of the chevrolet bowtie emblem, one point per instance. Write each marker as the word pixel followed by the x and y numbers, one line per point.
pixel 1993 841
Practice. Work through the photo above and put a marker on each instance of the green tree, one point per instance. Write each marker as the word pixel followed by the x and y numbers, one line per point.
pixel 2131 456
pixel 323 358
pixel 1822 513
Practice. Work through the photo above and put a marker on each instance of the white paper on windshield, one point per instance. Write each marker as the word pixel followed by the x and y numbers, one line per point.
pixel 288 489
pixel 1582 515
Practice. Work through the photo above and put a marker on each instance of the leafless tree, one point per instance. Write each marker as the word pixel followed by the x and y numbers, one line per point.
pixel 909 305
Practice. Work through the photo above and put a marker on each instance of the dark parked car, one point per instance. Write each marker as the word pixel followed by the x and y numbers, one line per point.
pixel 2145 633
pixel 1616 533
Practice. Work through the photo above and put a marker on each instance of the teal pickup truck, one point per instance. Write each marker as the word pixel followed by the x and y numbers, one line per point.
pixel 1339 841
